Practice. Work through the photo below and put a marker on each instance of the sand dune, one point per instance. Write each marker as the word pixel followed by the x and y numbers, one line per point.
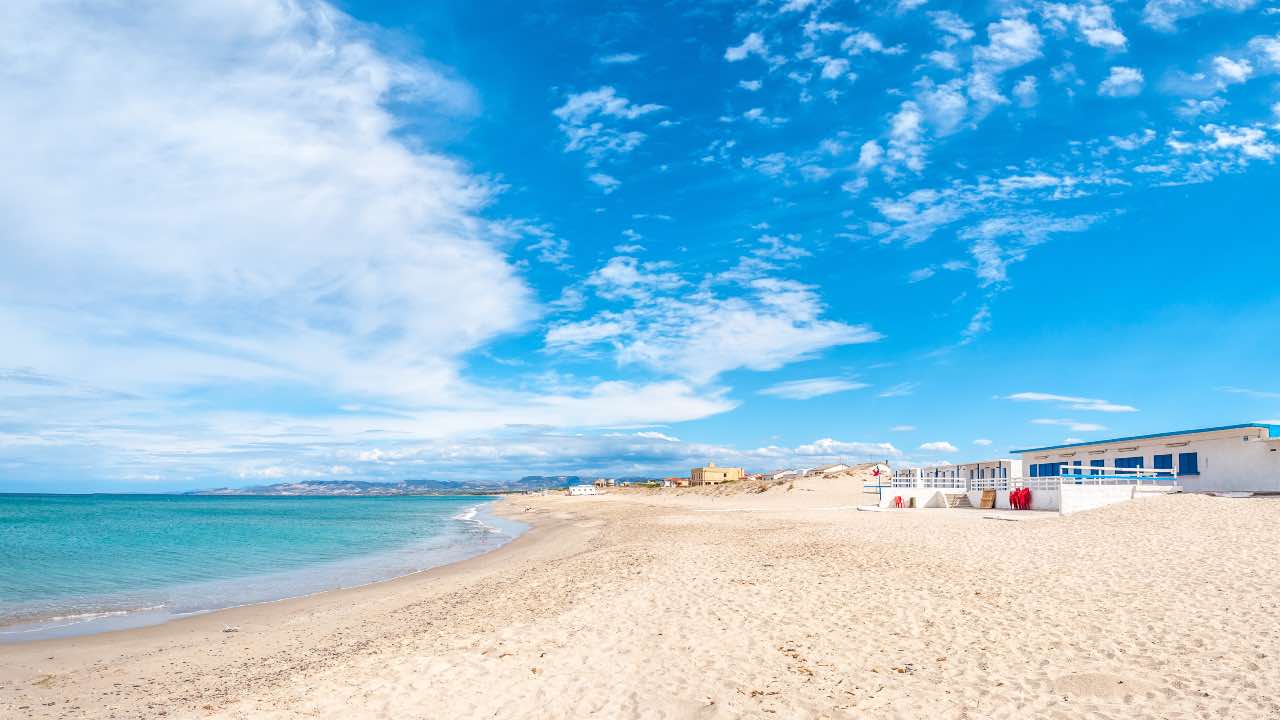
pixel 769 605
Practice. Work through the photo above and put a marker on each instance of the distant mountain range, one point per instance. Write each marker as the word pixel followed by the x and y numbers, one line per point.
pixel 407 487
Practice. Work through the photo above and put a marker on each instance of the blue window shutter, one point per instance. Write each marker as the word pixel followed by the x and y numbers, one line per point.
pixel 1097 464
pixel 1035 470
pixel 1127 463
pixel 1188 463
pixel 1162 462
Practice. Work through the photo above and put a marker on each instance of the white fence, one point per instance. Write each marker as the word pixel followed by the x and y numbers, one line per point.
pixel 1082 476
pixel 928 483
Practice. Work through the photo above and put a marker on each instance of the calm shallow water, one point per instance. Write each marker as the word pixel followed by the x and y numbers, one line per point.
pixel 73 564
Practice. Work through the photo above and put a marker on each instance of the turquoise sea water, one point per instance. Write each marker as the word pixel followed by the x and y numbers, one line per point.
pixel 72 564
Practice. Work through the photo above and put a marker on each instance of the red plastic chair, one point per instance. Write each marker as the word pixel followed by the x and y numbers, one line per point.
pixel 1020 499
pixel 897 502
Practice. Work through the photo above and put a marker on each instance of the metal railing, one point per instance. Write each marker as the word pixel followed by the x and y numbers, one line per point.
pixel 1074 476
pixel 927 482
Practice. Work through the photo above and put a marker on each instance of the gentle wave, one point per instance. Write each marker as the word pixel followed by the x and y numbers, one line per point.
pixel 95 563
pixel 471 515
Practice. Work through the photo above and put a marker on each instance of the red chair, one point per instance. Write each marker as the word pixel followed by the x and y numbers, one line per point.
pixel 1020 499
pixel 897 502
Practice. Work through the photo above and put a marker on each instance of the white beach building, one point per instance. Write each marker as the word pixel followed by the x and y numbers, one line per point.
pixel 583 490
pixel 981 470
pixel 826 470
pixel 1231 458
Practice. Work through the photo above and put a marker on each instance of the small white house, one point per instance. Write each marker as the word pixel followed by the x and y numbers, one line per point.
pixel 1231 458
pixel 583 490
pixel 982 470
pixel 826 469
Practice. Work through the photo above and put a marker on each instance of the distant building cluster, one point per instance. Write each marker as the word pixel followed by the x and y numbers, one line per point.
pixel 712 474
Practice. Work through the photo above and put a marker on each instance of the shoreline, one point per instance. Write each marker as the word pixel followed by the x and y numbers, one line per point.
pixel 285 604
pixel 121 620
pixel 80 659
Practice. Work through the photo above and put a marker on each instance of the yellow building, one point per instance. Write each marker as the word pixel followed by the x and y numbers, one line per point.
pixel 711 475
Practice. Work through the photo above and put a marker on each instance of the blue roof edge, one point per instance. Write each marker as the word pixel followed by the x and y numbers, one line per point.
pixel 1272 431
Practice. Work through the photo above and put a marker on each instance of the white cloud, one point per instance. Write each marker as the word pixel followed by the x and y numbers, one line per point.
pixel 607 183
pixel 903 428
pixel 832 68
pixel 1263 394
pixel 828 447
pixel 864 42
pixel 952 25
pixel 907 147
pixel 943 59
pixel 982 441
pixel 869 156
pixel 1071 402
pixel 1165 14
pixel 1026 91
pixel 1247 143
pixel 939 446
pixel 909 5
pixel 979 324
pixel 902 389
pixel 764 324
pixel 795 5
pixel 590 332
pixel 1073 425
pixel 854 186
pixel 224 195
pixel 605 101
pixel 945 105
pixel 1121 82
pixel 1266 51
pixel 582 120
pixel 624 58
pixel 752 44
pixel 654 435
pixel 1232 71
pixel 1133 141
pixel 1093 21
pixel 750 85
pixel 758 115
pixel 1010 42
pixel 812 387
pixel 921 274
pixel 627 277
pixel 993 255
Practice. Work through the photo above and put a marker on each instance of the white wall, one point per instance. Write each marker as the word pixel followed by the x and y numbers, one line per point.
pixel 1040 499
pixel 1227 462
pixel 1074 498
pixel 924 498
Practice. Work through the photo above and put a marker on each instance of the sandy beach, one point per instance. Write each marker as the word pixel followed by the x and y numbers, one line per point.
pixel 785 604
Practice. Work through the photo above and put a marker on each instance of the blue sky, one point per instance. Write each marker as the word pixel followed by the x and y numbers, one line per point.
pixel 260 242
